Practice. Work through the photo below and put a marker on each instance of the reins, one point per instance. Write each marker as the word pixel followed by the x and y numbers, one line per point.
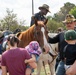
pixel 53 56
pixel 35 33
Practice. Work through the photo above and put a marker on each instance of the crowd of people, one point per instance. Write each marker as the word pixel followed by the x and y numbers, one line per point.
pixel 22 61
pixel 69 22
pixel 13 59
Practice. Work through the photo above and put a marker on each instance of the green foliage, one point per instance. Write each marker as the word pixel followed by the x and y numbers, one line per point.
pixel 54 25
pixel 49 17
pixel 56 21
pixel 10 21
pixel 60 16
pixel 23 28
pixel 73 11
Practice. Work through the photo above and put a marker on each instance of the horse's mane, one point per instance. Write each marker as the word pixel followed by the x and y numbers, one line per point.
pixel 29 29
pixel 26 36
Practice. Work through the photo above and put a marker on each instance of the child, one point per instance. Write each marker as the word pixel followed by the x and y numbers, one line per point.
pixel 33 49
pixel 70 48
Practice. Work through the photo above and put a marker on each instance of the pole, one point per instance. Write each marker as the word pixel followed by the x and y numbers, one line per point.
pixel 32 7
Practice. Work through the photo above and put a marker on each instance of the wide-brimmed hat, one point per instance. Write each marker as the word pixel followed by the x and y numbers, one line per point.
pixel 69 18
pixel 33 48
pixel 70 35
pixel 45 6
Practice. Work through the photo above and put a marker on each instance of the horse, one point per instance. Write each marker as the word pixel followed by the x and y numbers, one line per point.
pixel 48 58
pixel 37 32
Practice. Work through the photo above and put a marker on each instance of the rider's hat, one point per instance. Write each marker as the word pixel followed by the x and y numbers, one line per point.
pixel 44 6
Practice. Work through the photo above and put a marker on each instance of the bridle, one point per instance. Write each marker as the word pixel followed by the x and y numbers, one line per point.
pixel 35 33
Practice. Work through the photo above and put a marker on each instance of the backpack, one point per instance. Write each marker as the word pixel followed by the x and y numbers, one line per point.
pixel 65 48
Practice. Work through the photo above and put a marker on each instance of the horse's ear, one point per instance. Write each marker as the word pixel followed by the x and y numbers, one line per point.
pixel 18 34
pixel 45 22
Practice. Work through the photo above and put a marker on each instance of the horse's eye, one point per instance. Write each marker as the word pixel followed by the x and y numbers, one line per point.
pixel 38 33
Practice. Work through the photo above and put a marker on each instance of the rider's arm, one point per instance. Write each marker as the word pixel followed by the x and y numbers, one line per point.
pixel 54 39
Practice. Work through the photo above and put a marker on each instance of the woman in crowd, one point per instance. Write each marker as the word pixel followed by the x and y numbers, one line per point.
pixel 13 59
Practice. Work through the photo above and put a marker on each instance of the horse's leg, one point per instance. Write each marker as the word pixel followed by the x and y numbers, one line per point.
pixel 49 66
pixel 39 65
pixel 44 67
pixel 52 67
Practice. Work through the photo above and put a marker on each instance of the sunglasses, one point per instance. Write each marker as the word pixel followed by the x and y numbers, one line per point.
pixel 69 22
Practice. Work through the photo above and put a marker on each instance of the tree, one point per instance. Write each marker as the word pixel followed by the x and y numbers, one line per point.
pixel 60 16
pixel 73 11
pixel 10 21
pixel 54 25
pixel 49 17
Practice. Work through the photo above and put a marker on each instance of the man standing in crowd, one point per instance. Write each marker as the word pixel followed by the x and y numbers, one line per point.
pixel 72 69
pixel 59 38
pixel 40 16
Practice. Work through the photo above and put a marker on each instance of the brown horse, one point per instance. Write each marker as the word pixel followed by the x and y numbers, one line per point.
pixel 37 32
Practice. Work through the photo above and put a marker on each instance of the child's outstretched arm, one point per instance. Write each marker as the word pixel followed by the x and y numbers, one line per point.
pixel 33 59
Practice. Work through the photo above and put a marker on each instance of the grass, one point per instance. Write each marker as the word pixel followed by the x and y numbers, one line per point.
pixel 42 71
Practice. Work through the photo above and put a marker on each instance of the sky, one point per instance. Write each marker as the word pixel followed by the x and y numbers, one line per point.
pixel 23 8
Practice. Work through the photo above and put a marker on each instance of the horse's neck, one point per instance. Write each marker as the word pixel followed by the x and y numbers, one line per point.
pixel 30 33
pixel 27 37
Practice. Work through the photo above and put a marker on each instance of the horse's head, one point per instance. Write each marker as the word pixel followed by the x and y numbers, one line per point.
pixel 41 34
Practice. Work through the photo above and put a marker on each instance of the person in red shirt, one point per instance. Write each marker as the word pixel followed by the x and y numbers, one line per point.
pixel 13 59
